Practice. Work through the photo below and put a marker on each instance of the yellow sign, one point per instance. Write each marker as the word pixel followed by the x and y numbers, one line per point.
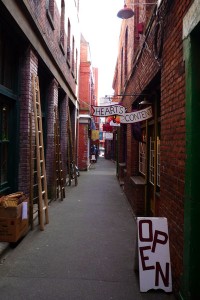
pixel 95 135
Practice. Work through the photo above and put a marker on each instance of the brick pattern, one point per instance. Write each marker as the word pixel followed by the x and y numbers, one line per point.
pixel 51 36
pixel 29 66
pixel 142 70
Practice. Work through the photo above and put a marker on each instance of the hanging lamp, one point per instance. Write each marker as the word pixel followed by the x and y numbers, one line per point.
pixel 125 13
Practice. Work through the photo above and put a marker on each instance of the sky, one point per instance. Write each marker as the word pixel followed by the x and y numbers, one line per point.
pixel 100 27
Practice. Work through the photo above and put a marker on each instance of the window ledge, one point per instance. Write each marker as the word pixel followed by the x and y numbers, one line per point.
pixel 138 180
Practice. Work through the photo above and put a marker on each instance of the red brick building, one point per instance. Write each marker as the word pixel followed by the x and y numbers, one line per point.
pixel 88 95
pixel 40 38
pixel 158 159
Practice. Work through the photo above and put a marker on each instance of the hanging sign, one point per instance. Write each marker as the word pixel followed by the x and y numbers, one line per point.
pixel 95 135
pixel 154 256
pixel 107 128
pixel 110 110
pixel 137 116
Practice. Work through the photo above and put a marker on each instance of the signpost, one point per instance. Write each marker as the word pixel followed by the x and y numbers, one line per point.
pixel 153 253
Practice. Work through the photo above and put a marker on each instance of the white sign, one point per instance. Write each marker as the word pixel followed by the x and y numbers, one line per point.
pixel 137 116
pixel 153 253
pixel 108 136
pixel 111 110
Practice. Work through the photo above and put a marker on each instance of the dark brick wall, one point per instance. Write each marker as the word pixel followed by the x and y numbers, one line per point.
pixel 29 65
pixel 53 60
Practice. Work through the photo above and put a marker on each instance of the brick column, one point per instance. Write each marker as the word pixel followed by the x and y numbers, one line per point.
pixel 29 66
pixel 52 100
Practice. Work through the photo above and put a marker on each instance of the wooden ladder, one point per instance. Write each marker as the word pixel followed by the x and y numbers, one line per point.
pixel 71 154
pixel 60 188
pixel 38 161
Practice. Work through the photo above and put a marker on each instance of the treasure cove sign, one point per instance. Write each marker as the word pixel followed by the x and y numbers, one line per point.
pixel 119 110
pixel 153 253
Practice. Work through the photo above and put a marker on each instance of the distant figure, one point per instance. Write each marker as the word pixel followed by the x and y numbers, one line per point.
pixel 94 152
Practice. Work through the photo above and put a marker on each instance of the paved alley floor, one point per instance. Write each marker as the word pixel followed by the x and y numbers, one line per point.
pixel 87 250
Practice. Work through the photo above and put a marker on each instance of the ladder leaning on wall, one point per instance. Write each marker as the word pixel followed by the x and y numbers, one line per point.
pixel 70 153
pixel 60 188
pixel 38 182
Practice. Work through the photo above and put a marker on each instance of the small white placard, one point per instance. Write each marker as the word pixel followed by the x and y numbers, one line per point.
pixel 93 157
pixel 154 255
pixel 24 210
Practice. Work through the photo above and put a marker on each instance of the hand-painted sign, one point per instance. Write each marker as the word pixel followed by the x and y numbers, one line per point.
pixel 119 110
pixel 110 110
pixel 137 116
pixel 154 256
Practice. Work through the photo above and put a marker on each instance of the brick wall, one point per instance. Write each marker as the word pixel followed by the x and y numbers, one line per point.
pixel 51 36
pixel 29 65
pixel 170 68
pixel 83 147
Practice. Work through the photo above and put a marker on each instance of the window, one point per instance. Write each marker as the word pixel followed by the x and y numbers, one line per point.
pixel 73 54
pixel 50 12
pixel 50 7
pixel 76 62
pixel 126 56
pixel 151 161
pixel 142 158
pixel 62 23
pixel 4 143
pixel 158 162
pixel 122 66
pixel 8 61
pixel 68 41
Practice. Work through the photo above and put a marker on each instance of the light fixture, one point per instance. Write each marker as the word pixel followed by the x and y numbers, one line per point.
pixel 127 12
pixel 144 102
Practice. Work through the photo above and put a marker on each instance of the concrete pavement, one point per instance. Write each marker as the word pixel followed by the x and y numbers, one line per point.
pixel 87 250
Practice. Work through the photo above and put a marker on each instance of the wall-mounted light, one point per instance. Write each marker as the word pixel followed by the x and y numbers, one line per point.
pixel 127 12
pixel 144 102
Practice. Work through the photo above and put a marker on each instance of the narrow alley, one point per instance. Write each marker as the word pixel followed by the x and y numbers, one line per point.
pixel 87 250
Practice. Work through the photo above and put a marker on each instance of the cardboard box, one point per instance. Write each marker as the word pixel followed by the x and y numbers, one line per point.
pixel 12 229
pixel 11 212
